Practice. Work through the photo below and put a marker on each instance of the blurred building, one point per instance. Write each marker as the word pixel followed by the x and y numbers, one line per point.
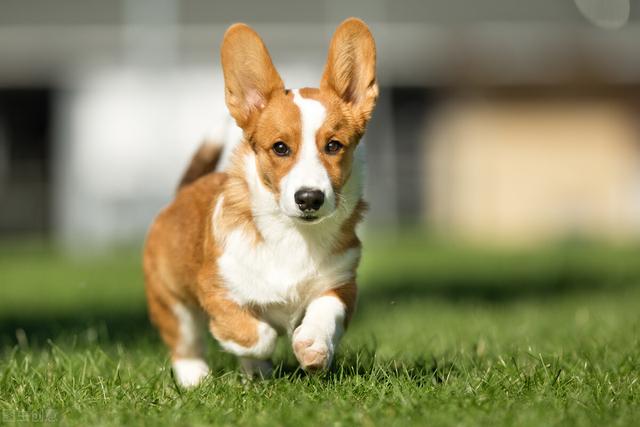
pixel 520 166
pixel 508 120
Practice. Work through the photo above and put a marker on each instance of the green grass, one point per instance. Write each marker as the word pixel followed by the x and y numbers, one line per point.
pixel 444 335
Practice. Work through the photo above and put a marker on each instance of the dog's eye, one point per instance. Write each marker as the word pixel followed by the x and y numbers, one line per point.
pixel 332 147
pixel 281 149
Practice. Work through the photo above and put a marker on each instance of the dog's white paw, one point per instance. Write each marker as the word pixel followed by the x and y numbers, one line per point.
pixel 190 372
pixel 313 349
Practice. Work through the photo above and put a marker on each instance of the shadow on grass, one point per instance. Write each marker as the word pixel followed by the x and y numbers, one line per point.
pixel 493 291
pixel 116 324
pixel 498 288
pixel 82 327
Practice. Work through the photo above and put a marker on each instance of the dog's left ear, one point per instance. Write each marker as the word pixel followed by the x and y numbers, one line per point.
pixel 351 68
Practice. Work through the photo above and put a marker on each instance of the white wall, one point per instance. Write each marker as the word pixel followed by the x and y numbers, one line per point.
pixel 124 136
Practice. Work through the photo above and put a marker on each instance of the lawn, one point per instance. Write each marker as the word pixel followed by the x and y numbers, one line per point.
pixel 444 335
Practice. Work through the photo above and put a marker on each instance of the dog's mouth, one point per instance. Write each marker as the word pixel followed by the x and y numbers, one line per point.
pixel 313 218
pixel 309 218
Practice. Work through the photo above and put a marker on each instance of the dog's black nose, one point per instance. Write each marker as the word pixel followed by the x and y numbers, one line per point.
pixel 309 199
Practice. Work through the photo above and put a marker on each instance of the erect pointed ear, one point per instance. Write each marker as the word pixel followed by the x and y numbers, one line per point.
pixel 249 75
pixel 351 68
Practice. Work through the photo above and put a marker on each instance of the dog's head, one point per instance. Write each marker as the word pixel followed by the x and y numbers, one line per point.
pixel 304 140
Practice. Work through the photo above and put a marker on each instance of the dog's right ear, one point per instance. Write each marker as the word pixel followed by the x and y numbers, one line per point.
pixel 249 75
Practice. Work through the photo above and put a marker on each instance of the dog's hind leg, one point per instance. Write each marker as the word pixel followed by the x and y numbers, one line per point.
pixel 181 326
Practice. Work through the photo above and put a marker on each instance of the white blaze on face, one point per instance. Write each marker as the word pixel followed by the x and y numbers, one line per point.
pixel 308 172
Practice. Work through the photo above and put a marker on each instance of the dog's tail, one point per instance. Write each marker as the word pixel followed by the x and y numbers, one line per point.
pixel 204 161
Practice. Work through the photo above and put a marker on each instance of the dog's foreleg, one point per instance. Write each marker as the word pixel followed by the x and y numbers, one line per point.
pixel 240 331
pixel 324 322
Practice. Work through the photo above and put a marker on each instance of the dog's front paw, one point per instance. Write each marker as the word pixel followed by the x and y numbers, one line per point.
pixel 313 350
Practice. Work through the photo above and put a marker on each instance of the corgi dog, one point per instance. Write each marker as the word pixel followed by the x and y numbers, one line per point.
pixel 268 246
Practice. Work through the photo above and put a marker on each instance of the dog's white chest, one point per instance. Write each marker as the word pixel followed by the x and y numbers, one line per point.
pixel 282 275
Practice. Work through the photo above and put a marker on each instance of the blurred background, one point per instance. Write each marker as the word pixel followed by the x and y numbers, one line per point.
pixel 499 121
pixel 503 179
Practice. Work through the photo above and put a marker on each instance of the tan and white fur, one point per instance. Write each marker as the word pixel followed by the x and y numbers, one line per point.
pixel 268 246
